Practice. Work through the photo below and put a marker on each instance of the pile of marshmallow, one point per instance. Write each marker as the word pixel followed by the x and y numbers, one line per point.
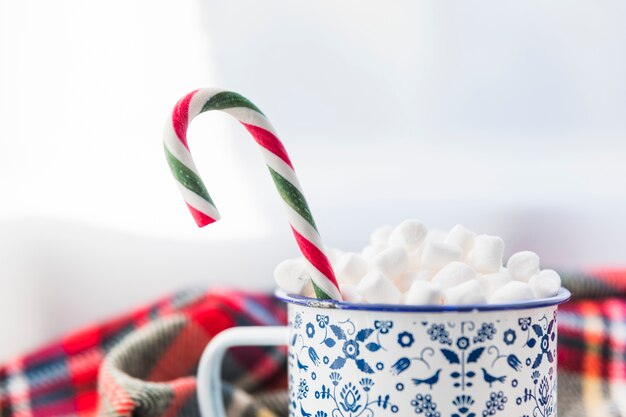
pixel 410 265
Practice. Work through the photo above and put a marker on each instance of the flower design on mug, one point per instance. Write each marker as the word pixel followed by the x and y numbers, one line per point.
pixel 343 351
pixel 494 404
pixel 524 323
pixel 543 392
pixel 350 398
pixel 545 338
pixel 310 330
pixel 438 332
pixel 303 389
pixel 405 339
pixel 424 404
pixel 462 343
pixel 463 404
pixel 322 320
pixel 335 378
pixel 383 326
pixel 366 383
pixel 351 348
pixel 509 337
pixel 297 321
pixel 486 332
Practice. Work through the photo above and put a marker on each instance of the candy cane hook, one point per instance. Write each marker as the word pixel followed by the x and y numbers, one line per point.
pixel 197 197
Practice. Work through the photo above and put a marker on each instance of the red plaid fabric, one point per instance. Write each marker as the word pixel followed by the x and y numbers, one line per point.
pixel 142 364
pixel 62 379
pixel 592 346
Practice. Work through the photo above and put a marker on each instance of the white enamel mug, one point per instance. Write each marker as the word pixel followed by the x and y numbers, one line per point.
pixel 375 360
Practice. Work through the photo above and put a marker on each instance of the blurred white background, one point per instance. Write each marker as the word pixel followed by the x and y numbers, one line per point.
pixel 507 117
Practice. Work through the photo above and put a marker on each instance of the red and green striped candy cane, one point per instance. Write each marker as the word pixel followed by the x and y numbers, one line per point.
pixel 198 200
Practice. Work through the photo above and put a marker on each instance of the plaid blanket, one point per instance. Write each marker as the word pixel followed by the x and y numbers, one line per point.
pixel 143 364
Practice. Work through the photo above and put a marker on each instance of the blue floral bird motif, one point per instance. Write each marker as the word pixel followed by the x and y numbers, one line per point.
pixel 430 381
pixel 490 379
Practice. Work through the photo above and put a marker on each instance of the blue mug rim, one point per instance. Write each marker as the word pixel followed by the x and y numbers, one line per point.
pixel 561 297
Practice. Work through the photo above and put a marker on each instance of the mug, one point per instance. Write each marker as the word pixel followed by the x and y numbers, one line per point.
pixel 376 360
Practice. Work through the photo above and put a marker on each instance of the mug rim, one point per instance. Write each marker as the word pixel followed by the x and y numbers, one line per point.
pixel 561 297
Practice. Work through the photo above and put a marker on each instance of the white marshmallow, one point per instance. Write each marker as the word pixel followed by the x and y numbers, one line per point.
pixel 404 281
pixel 486 257
pixel 436 235
pixel 523 265
pixel 415 258
pixel 380 236
pixel 423 293
pixel 375 287
pixel 453 274
pixel 291 276
pixel 491 282
pixel 511 292
pixel 409 234
pixel 333 254
pixel 350 268
pixel 424 275
pixel 392 262
pixel 461 237
pixel 370 251
pixel 545 284
pixel 351 294
pixel 469 292
pixel 308 290
pixel 438 254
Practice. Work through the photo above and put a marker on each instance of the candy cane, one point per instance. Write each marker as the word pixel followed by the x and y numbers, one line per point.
pixel 198 200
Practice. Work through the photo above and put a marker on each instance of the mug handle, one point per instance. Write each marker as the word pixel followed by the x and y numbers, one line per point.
pixel 209 388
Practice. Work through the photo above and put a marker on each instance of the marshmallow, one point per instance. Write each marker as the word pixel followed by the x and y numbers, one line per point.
pixel 436 254
pixel 436 235
pixel 370 251
pixel 415 258
pixel 469 292
pixel 350 268
pixel 461 237
pixel 291 276
pixel 545 284
pixel 422 293
pixel 380 236
pixel 486 257
pixel 351 294
pixel 308 290
pixel 424 275
pixel 333 254
pixel 409 234
pixel 404 281
pixel 453 274
pixel 523 265
pixel 511 292
pixel 392 262
pixel 376 288
pixel 492 282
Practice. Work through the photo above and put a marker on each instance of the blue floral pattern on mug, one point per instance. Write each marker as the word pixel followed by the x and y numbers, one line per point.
pixel 375 364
